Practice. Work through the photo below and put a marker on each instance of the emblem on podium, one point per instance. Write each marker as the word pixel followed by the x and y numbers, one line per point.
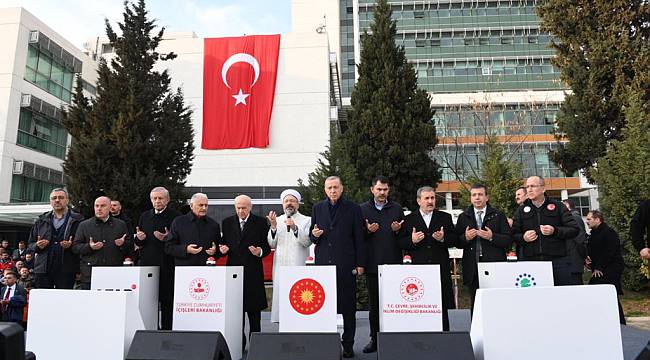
pixel 307 296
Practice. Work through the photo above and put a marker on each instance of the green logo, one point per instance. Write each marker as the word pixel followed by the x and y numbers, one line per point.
pixel 525 281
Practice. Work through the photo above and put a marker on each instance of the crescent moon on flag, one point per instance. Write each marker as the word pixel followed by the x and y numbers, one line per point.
pixel 240 57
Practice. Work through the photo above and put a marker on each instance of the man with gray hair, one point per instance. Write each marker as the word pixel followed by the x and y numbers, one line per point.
pixel 289 236
pixel 542 226
pixel 51 238
pixel 101 241
pixel 244 239
pixel 151 233
pixel 337 231
pixel 426 235
pixel 194 237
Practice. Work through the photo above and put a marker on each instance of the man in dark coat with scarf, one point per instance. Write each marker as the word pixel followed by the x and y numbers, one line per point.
pixel 426 235
pixel 337 231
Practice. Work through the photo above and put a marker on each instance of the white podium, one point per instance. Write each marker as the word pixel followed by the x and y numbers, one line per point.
pixel 81 324
pixel 307 298
pixel 142 281
pixel 520 274
pixel 210 298
pixel 410 298
pixel 562 322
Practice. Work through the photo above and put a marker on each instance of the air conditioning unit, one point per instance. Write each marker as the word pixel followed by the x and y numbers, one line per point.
pixel 25 100
pixel 486 71
pixel 33 36
pixel 18 167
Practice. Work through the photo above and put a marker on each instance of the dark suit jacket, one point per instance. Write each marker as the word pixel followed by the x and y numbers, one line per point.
pixel 14 311
pixel 430 251
pixel 189 229
pixel 152 250
pixel 494 250
pixel 254 233
pixel 341 244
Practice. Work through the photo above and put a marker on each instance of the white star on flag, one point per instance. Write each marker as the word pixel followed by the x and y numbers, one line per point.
pixel 240 98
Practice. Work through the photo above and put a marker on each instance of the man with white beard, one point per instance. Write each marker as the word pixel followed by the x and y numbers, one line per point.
pixel 290 241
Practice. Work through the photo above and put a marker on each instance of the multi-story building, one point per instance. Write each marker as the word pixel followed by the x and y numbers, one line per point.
pixel 38 68
pixel 487 66
pixel 37 81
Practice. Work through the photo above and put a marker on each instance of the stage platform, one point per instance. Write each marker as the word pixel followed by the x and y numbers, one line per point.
pixel 634 339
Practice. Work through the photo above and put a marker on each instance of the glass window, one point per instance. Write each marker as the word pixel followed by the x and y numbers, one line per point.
pixel 48 74
pixel 44 65
pixel 41 133
pixel 24 189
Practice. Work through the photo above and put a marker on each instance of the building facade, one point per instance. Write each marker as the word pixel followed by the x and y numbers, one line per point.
pixel 299 129
pixel 487 66
pixel 38 69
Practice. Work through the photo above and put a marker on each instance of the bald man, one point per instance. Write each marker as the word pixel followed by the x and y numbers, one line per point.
pixel 542 226
pixel 244 241
pixel 101 241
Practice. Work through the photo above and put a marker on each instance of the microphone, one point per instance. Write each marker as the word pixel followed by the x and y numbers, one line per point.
pixel 288 212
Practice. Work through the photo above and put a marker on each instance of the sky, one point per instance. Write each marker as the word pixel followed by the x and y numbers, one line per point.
pixel 80 20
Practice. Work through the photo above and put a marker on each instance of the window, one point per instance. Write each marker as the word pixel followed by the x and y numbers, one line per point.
pixel 24 189
pixel 39 132
pixel 48 73
pixel 582 204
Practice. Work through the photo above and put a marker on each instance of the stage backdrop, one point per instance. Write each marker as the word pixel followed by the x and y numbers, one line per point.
pixel 239 75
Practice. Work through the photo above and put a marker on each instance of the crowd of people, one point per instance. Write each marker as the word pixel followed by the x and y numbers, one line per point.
pixel 64 247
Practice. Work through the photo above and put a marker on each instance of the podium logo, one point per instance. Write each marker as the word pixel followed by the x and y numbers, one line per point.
pixel 199 288
pixel 307 296
pixel 412 289
pixel 525 280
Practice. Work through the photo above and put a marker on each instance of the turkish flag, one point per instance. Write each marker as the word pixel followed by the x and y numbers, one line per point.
pixel 239 75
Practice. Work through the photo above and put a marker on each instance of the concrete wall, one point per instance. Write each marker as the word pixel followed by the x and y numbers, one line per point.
pixel 299 128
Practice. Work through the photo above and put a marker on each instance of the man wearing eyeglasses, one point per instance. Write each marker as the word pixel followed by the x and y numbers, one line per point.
pixel 542 226
pixel 51 239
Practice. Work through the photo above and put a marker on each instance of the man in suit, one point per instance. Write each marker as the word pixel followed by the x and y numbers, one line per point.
pixel 383 220
pixel 244 241
pixel 151 232
pixel 13 298
pixel 483 234
pixel 337 231
pixel 426 234
pixel 194 236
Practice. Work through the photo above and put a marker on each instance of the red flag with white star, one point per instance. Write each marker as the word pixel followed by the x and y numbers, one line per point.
pixel 239 75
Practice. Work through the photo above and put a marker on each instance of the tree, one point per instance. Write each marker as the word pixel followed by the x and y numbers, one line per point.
pixel 332 162
pixel 623 178
pixel 497 165
pixel 390 130
pixel 136 133
pixel 501 175
pixel 602 47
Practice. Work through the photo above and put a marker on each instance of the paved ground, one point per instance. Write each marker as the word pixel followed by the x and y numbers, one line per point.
pixel 642 323
pixel 635 336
